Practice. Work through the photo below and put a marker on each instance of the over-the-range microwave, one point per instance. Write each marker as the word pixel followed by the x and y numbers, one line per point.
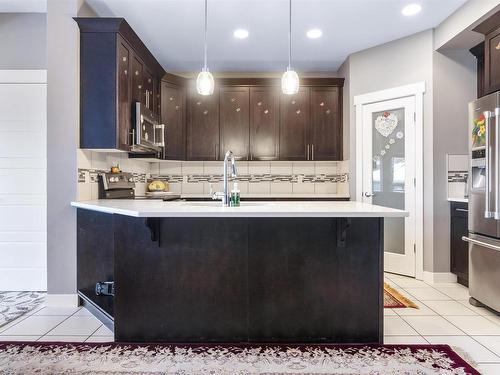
pixel 148 135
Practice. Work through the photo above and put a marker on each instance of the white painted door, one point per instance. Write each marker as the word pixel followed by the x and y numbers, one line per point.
pixel 23 211
pixel 388 143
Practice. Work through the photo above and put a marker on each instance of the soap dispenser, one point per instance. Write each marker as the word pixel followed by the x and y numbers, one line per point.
pixel 235 196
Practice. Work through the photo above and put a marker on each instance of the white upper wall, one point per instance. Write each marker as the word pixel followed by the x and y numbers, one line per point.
pixel 23 41
pixel 455 31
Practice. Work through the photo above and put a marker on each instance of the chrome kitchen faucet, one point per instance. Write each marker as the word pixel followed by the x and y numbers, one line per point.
pixel 225 195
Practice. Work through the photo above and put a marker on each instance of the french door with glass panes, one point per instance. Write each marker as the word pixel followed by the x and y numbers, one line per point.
pixel 389 175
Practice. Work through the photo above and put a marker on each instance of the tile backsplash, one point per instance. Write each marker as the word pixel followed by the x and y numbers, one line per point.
pixel 457 174
pixel 196 178
pixel 267 178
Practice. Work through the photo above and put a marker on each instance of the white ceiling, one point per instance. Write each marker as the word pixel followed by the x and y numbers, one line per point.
pixel 173 29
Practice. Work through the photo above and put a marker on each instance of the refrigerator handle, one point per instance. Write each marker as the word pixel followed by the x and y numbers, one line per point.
pixel 487 208
pixel 480 243
pixel 497 166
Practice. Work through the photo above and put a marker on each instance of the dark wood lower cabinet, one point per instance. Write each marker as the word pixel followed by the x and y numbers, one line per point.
pixel 459 249
pixel 282 280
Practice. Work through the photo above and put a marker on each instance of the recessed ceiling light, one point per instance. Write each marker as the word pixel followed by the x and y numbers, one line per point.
pixel 240 33
pixel 411 9
pixel 314 33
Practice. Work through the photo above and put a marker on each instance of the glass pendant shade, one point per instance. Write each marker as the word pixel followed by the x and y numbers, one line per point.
pixel 290 82
pixel 205 82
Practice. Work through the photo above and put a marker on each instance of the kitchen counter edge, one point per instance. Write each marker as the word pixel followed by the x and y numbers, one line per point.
pixel 155 208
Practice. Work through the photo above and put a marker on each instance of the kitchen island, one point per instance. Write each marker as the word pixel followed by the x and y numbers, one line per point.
pixel 283 272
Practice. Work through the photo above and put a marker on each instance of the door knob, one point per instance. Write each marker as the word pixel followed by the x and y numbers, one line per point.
pixel 368 195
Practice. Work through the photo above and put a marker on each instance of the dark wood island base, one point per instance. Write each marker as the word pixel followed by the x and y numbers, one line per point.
pixel 243 279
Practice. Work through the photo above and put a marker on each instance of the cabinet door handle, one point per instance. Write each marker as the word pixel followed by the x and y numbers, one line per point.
pixel 312 152
pixel 462 209
pixel 307 152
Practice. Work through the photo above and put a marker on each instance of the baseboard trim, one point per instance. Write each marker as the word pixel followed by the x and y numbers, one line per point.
pixel 62 300
pixel 439 277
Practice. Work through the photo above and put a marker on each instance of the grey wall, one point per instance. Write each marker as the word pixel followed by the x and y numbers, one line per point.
pixel 23 41
pixel 63 98
pixel 454 88
pixel 344 72
pixel 401 62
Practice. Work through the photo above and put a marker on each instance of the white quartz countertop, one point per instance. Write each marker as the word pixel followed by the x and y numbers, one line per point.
pixel 454 199
pixel 158 208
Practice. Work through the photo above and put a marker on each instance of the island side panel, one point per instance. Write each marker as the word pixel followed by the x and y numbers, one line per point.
pixel 95 256
pixel 316 280
pixel 191 286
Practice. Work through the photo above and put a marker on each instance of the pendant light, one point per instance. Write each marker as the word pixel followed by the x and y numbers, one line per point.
pixel 205 80
pixel 290 79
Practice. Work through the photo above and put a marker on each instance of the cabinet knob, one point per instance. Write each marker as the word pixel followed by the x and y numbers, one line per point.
pixel 259 104
pixel 124 58
pixel 125 72
pixel 136 72
pixel 297 111
pixel 498 47
pixel 266 111
pixel 205 112
pixel 327 111
pixel 321 104
pixel 238 109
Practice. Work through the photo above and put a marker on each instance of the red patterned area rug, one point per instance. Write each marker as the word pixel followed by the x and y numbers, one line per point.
pixel 393 299
pixel 113 358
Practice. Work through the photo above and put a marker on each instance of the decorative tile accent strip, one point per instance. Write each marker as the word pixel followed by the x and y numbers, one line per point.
pixel 458 176
pixel 81 176
pixel 255 178
pixel 94 173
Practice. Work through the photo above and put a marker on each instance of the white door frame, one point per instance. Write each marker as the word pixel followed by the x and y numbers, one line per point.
pixel 416 90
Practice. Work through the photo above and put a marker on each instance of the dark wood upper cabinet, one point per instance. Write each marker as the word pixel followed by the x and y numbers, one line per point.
pixel 294 121
pixel 478 52
pixel 148 81
pixel 325 129
pixel 115 68
pixel 202 126
pixel 234 121
pixel 264 123
pixel 491 30
pixel 137 80
pixel 173 107
pixel 124 94
pixel 492 61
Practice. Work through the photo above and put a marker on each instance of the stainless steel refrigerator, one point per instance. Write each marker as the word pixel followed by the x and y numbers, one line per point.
pixel 484 201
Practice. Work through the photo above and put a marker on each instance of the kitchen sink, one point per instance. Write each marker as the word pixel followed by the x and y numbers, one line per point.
pixel 219 204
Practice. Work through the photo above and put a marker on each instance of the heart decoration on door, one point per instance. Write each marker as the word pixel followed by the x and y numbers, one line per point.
pixel 386 123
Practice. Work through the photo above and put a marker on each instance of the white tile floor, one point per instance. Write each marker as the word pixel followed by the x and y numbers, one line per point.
pixel 445 317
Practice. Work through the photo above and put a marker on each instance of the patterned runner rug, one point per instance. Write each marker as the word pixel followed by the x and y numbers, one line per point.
pixel 394 299
pixel 58 358
pixel 15 304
